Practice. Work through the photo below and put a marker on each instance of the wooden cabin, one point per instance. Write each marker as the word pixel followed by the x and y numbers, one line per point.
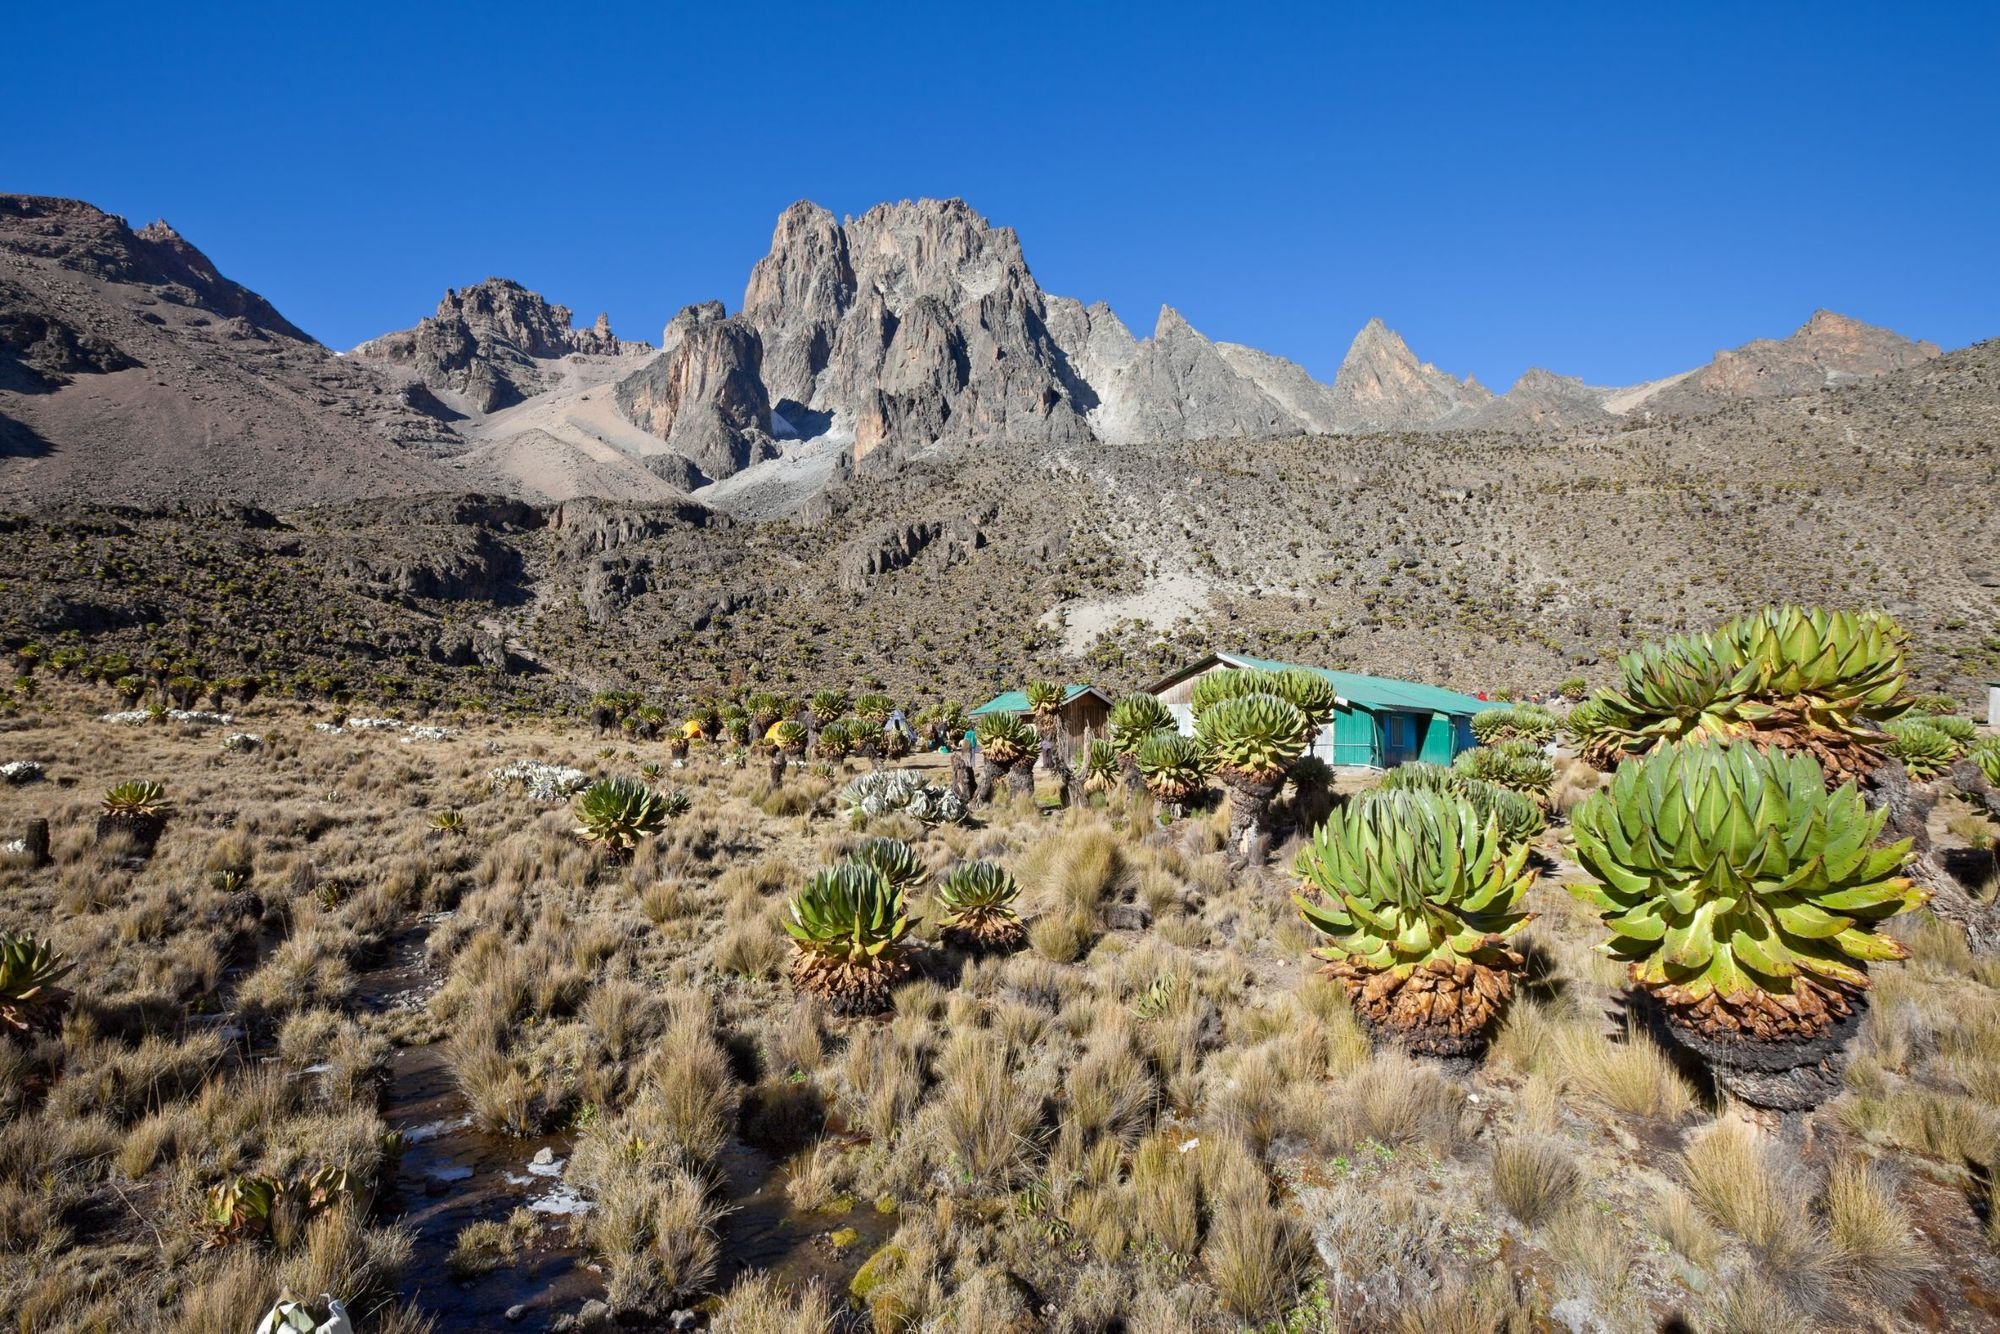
pixel 1380 722
pixel 1084 713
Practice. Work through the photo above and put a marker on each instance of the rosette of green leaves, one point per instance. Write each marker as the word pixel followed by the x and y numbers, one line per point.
pixel 1519 818
pixel 1724 869
pixel 1100 762
pixel 1174 766
pixel 1846 668
pixel 1254 737
pixel 896 861
pixel 1410 877
pixel 977 891
pixel 1986 754
pixel 1925 750
pixel 849 913
pixel 618 812
pixel 30 1000
pixel 1006 737
pixel 1519 766
pixel 1135 718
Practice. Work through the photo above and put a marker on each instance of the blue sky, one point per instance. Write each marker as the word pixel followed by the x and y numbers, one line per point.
pixel 1611 191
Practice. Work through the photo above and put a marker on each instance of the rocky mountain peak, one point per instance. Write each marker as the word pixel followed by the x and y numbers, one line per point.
pixel 915 323
pixel 1828 349
pixel 1381 386
pixel 100 245
pixel 483 343
pixel 704 393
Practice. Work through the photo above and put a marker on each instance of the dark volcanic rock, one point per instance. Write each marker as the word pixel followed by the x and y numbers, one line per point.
pixel 90 241
pixel 47 351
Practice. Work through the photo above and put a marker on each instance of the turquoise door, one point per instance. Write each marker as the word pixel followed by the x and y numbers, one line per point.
pixel 1355 739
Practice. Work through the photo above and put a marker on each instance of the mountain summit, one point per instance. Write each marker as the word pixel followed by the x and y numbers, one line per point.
pixel 130 367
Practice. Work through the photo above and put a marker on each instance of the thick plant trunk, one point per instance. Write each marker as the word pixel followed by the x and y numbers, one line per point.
pixel 1052 760
pixel 1793 1076
pixel 1135 782
pixel 1249 821
pixel 1888 788
pixel 961 776
pixel 1021 777
pixel 989 775
pixel 777 768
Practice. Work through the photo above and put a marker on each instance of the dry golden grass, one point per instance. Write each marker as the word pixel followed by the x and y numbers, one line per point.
pixel 1104 1115
pixel 1533 1178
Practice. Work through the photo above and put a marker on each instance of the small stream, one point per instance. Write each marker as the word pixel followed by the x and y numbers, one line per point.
pixel 453 1174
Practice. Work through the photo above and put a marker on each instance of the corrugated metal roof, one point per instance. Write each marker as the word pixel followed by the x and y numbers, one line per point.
pixel 1376 692
pixel 1016 701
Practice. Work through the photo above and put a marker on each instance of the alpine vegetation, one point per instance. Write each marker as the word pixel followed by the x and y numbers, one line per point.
pixel 1746 901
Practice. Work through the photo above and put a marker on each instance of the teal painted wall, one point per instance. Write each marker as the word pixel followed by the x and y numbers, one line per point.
pixel 1440 739
pixel 1384 740
pixel 1356 739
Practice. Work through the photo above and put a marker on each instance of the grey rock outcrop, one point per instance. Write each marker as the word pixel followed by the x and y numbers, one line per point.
pixel 1177 385
pixel 914 324
pixel 892 548
pixel 1542 399
pixel 485 342
pixel 704 393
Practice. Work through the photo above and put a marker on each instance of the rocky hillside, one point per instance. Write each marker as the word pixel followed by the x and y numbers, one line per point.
pixel 1477 558
pixel 481 350
pixel 131 369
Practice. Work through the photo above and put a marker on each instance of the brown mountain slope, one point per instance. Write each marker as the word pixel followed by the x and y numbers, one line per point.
pixel 1826 350
pixel 131 369
pixel 1475 559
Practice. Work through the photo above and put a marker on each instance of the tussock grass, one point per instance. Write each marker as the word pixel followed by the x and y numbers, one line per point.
pixel 1876 1254
pixel 1632 1076
pixel 490 1244
pixel 1395 1100
pixel 1062 935
pixel 758 1303
pixel 1484 1303
pixel 1732 1174
pixel 1165 1195
pixel 1533 1179
pixel 983 1118
pixel 1751 1305
pixel 1680 1221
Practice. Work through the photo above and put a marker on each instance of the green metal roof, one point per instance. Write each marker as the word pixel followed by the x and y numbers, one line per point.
pixel 1016 701
pixel 1377 692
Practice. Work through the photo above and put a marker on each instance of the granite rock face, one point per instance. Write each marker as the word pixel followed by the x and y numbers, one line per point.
pixel 914 324
pixel 1381 386
pixel 704 393
pixel 484 344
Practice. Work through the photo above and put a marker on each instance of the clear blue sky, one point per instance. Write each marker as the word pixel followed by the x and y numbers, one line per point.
pixel 1612 191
